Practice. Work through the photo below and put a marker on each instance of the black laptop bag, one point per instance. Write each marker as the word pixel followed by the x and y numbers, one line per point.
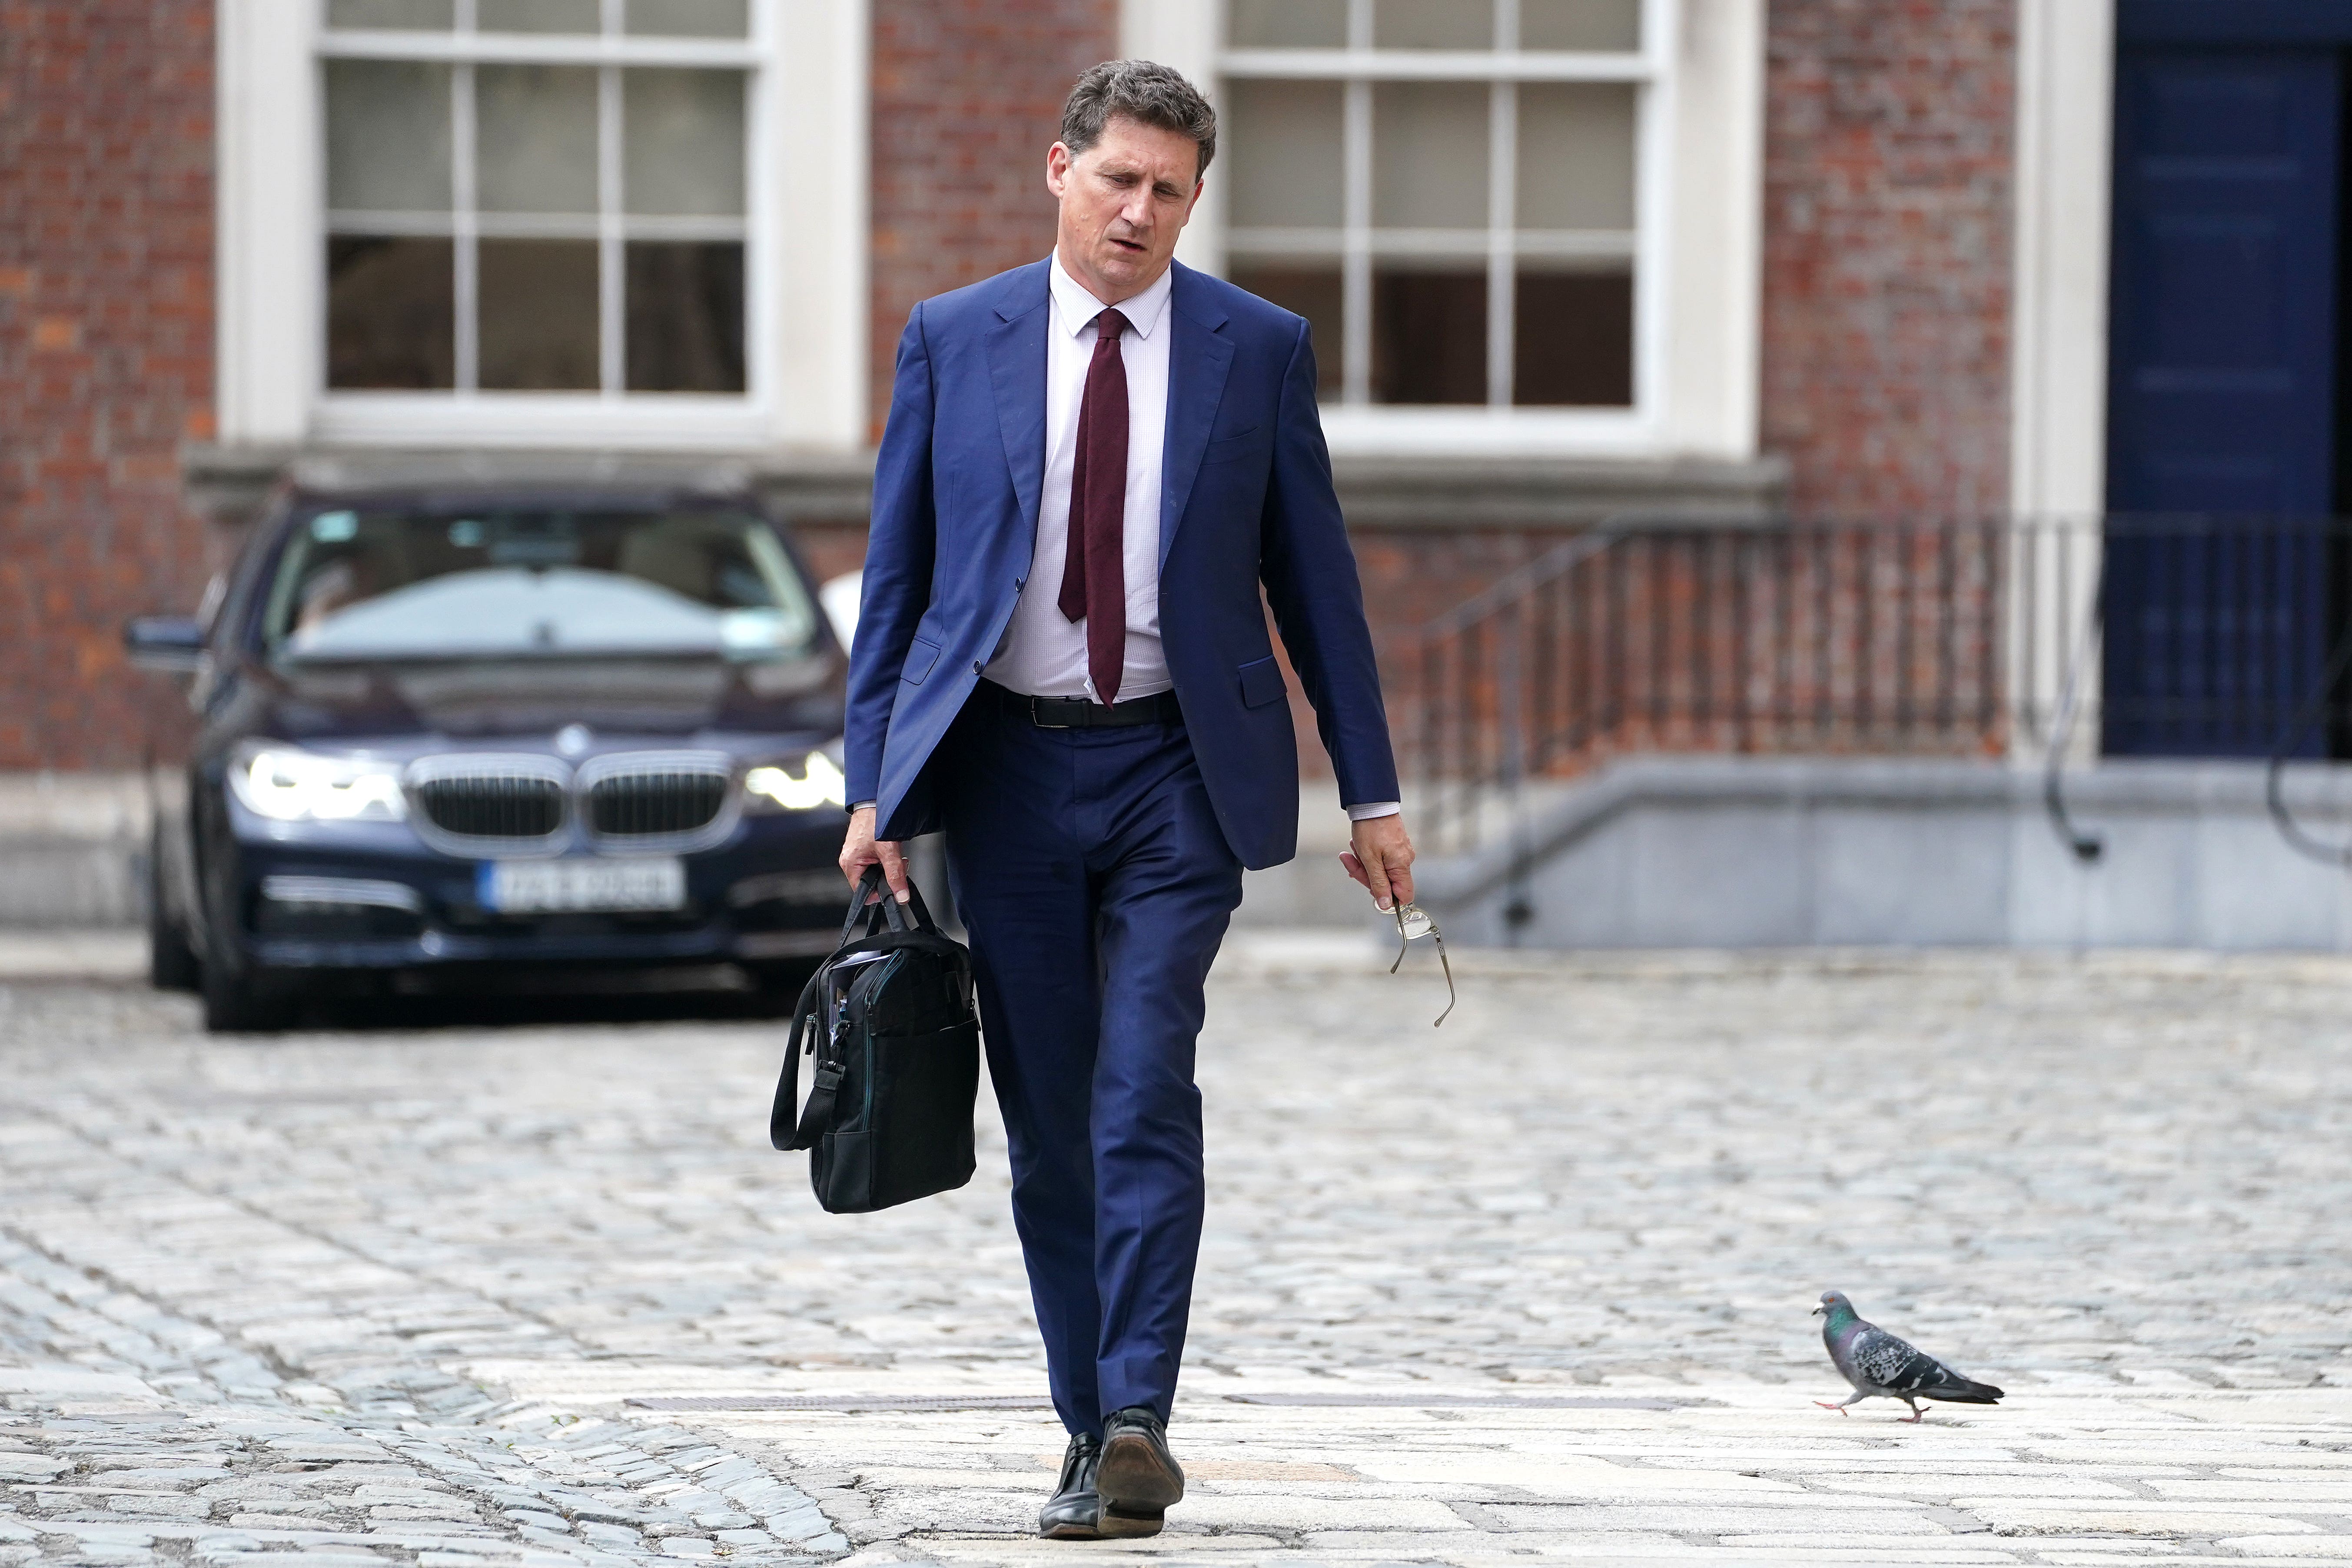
pixel 889 1023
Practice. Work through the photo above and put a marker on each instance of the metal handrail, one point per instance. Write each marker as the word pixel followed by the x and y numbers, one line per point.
pixel 1549 567
pixel 1658 635
pixel 2045 639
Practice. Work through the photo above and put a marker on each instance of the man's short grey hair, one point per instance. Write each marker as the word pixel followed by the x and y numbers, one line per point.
pixel 1142 90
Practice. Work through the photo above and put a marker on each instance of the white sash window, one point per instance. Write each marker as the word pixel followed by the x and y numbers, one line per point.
pixel 544 222
pixel 1446 188
pixel 1515 225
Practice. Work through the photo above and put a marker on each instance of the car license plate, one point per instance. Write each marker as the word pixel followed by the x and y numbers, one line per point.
pixel 579 887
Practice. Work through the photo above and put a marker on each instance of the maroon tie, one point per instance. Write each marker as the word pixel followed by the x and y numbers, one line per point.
pixel 1094 575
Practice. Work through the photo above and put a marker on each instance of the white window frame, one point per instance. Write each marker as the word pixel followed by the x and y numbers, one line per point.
pixel 805 297
pixel 2058 361
pixel 1697 253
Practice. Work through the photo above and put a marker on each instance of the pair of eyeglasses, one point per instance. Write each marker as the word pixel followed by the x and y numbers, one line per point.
pixel 1412 921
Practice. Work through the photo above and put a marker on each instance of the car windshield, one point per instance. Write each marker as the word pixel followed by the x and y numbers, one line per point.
pixel 365 583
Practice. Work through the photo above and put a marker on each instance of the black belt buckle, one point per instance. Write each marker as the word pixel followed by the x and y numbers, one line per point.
pixel 1079 714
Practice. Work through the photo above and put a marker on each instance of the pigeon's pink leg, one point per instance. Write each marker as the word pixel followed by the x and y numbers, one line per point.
pixel 1841 1409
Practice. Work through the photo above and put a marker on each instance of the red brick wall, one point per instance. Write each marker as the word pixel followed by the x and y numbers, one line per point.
pixel 1886 253
pixel 967 97
pixel 106 358
pixel 1886 285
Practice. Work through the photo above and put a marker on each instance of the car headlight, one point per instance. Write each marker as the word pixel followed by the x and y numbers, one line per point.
pixel 820 782
pixel 290 785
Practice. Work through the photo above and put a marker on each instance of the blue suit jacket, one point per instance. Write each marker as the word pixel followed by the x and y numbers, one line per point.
pixel 1246 498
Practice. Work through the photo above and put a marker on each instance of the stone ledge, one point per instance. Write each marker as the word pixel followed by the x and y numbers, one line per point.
pixel 231 484
pixel 1555 492
pixel 1571 813
pixel 1851 851
pixel 72 848
pixel 73 808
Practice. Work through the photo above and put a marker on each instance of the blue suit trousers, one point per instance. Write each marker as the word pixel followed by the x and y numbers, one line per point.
pixel 1096 885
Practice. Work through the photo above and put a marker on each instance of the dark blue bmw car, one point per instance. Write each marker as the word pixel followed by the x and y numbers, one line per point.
pixel 519 727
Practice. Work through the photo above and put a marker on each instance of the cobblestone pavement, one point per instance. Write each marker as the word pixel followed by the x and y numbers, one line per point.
pixel 1535 1285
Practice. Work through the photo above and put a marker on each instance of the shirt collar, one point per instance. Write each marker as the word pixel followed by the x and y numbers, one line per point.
pixel 1078 307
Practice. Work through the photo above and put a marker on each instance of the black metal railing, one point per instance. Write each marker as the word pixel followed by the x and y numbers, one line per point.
pixel 2216 635
pixel 2187 636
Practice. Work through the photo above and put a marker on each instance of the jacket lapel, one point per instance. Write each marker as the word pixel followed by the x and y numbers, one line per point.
pixel 1198 358
pixel 1016 372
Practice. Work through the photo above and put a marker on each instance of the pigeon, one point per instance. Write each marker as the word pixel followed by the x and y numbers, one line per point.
pixel 1876 1363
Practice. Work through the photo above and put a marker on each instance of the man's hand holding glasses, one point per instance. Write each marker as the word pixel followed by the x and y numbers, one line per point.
pixel 1381 858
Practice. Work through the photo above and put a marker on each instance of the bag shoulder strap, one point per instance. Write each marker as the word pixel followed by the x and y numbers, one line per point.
pixel 825 1084
pixel 806 1014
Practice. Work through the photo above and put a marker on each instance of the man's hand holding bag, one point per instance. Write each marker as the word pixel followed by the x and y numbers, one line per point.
pixel 894 1045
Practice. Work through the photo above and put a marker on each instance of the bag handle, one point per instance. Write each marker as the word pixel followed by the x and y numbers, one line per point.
pixel 922 911
pixel 911 916
pixel 861 912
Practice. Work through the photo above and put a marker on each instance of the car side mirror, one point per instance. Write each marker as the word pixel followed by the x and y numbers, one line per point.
pixel 175 642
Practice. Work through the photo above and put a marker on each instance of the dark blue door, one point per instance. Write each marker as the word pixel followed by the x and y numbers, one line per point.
pixel 2222 396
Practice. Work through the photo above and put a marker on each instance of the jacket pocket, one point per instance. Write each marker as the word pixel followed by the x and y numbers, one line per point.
pixel 920 657
pixel 1262 682
pixel 1249 443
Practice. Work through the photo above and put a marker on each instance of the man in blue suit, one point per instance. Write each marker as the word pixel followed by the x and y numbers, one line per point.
pixel 1092 464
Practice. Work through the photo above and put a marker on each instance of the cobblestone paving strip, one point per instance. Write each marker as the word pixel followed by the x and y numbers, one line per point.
pixel 377 1297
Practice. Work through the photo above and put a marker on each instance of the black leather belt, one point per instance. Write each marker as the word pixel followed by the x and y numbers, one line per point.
pixel 1084 713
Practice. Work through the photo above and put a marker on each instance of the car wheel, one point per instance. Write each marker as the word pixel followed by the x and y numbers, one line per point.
pixel 243 1003
pixel 171 964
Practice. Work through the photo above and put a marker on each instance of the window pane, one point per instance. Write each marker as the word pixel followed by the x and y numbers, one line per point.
pixel 387 136
pixel 1433 25
pixel 686 317
pixel 690 18
pixel 1286 168
pixel 1309 292
pixel 432 16
pixel 539 315
pixel 1429 336
pixel 1576 155
pixel 1287 24
pixel 1573 339
pixel 538 15
pixel 536 138
pixel 1580 24
pixel 682 142
pixel 1429 156
pixel 392 313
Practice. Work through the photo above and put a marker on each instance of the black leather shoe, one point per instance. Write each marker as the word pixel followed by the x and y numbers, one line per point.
pixel 1069 1514
pixel 1136 1480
